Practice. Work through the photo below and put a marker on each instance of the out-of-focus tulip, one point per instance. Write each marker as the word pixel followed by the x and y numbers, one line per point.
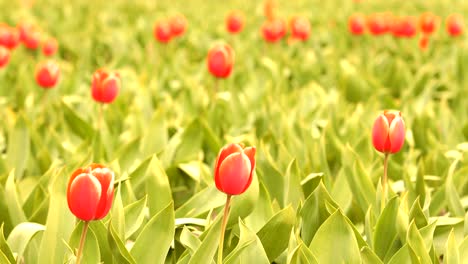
pixel 178 25
pixel 4 56
pixel 9 36
pixel 105 86
pixel 220 60
pixel 428 22
pixel 379 23
pixel 50 47
pixel 404 27
pixel 300 28
pixel 388 132
pixel 162 31
pixel 235 22
pixel 357 24
pixel 424 42
pixel 47 74
pixel 454 25
pixel 273 30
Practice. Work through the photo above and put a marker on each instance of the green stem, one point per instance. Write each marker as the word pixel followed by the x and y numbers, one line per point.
pixel 384 181
pixel 223 229
pixel 82 241
pixel 101 116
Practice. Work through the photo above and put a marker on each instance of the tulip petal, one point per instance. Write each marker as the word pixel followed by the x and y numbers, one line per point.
pixel 223 153
pixel 84 196
pixel 106 179
pixel 250 153
pixel 380 133
pixel 234 173
pixel 397 134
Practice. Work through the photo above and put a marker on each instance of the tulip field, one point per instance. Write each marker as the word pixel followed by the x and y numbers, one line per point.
pixel 235 132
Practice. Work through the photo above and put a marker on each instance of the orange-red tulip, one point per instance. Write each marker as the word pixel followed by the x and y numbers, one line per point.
pixel 178 25
pixel 234 169
pixel 90 192
pixel 105 86
pixel 454 25
pixel 4 56
pixel 300 28
pixel 220 60
pixel 9 36
pixel 428 22
pixel 388 133
pixel 162 31
pixel 50 47
pixel 234 22
pixel 47 74
pixel 273 30
pixel 357 24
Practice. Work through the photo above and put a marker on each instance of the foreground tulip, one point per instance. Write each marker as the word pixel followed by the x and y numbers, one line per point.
pixel 4 56
pixel 273 30
pixel 90 193
pixel 454 25
pixel 9 36
pixel 233 174
pixel 300 28
pixel 162 31
pixel 234 22
pixel 49 47
pixel 357 24
pixel 220 60
pixel 428 22
pixel 105 86
pixel 47 74
pixel 178 25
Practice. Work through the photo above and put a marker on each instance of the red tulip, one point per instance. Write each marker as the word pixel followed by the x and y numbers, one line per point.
pixel 178 25
pixel 404 27
pixel 424 42
pixel 234 169
pixel 273 30
pixel 454 25
pixel 269 8
pixel 300 28
pixel 90 192
pixel 29 35
pixel 105 86
pixel 47 74
pixel 9 36
pixel 379 23
pixel 428 22
pixel 388 133
pixel 4 56
pixel 357 24
pixel 220 60
pixel 49 47
pixel 235 22
pixel 162 31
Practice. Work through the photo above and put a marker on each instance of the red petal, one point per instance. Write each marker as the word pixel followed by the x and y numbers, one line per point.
pixel 223 153
pixel 380 133
pixel 84 196
pixel 397 134
pixel 106 179
pixel 234 173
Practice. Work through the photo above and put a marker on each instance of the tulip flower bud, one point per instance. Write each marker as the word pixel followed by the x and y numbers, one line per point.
pixel 300 28
pixel 220 60
pixel 424 42
pixel 4 56
pixel 379 23
pixel 454 25
pixel 357 24
pixel 31 37
pixel 273 30
pixel 105 86
pixel 162 31
pixel 47 74
pixel 9 36
pixel 50 47
pixel 235 22
pixel 90 192
pixel 428 22
pixel 234 169
pixel 178 25
pixel 388 133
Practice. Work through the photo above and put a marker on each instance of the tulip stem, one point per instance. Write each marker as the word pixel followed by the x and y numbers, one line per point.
pixel 82 241
pixel 223 229
pixel 101 113
pixel 384 181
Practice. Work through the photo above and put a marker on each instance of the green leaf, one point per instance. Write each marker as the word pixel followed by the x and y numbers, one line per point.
pixel 155 138
pixel 275 234
pixel 292 188
pixel 157 187
pixel 416 243
pixel 12 200
pixel 18 147
pixel 369 257
pixel 189 240
pixel 403 256
pixel 209 245
pixel 385 231
pixel 190 144
pixel 154 241
pixel 101 233
pixel 243 205
pixel 463 249
pixel 452 197
pixel 119 251
pixel 91 253
pixel 7 255
pixel 134 216
pixel 451 255
pixel 21 235
pixel 118 215
pixel 335 242
pixel 77 125
pixel 201 202
pixel 248 250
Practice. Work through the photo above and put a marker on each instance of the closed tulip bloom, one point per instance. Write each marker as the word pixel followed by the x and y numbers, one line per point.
pixel 30 36
pixel 428 22
pixel 220 60
pixel 273 30
pixel 235 22
pixel 234 169
pixel 300 28
pixel 4 56
pixel 454 25
pixel 47 74
pixel 424 42
pixel 379 23
pixel 50 47
pixel 105 86
pixel 357 24
pixel 178 25
pixel 404 27
pixel 90 192
pixel 162 31
pixel 9 36
pixel 388 133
